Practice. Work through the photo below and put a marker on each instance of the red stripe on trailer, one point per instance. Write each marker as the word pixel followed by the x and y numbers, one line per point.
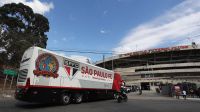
pixel 58 87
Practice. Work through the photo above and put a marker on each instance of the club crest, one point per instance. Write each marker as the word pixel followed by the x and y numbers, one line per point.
pixel 71 68
pixel 46 65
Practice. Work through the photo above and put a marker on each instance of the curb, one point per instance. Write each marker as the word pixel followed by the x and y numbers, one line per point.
pixel 189 99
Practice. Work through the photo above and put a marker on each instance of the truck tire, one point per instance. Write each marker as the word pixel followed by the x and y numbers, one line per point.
pixel 65 99
pixel 78 98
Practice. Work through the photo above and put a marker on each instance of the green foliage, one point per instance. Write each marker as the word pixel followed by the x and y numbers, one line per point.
pixel 20 28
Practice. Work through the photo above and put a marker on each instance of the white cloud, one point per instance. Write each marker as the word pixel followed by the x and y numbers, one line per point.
pixel 81 58
pixel 55 41
pixel 1 30
pixel 2 50
pixel 36 5
pixel 64 39
pixel 102 31
pixel 105 12
pixel 68 38
pixel 171 28
pixel 61 53
pixel 75 57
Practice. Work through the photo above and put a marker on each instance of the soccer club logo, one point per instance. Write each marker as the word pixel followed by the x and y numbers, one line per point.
pixel 46 65
pixel 71 68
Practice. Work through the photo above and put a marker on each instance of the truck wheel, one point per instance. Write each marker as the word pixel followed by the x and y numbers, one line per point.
pixel 65 99
pixel 78 98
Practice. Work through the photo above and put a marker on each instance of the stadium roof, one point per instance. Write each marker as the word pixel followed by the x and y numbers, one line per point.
pixel 151 51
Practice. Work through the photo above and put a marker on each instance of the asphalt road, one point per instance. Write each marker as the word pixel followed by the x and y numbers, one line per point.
pixel 143 103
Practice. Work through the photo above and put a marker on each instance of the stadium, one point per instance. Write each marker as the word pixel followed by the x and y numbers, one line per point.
pixel 150 68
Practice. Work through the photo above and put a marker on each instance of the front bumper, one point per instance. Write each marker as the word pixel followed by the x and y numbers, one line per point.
pixel 21 94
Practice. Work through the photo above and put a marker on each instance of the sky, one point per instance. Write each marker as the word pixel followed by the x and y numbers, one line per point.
pixel 117 26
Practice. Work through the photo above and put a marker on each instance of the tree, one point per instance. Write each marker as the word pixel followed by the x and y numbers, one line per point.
pixel 20 28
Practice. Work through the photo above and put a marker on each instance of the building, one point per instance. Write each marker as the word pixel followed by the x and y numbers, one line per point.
pixel 150 68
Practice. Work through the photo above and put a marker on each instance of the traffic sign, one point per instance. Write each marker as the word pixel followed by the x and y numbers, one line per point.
pixel 10 72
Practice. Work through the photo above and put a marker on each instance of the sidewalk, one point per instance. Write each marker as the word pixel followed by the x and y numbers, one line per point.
pixel 148 95
pixel 152 95
pixel 194 99
pixel 6 94
pixel 188 98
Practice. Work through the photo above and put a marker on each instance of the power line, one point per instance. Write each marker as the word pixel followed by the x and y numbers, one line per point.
pixel 82 51
pixel 91 51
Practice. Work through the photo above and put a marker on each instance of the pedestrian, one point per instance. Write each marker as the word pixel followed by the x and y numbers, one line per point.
pixel 191 92
pixel 184 94
pixel 198 92
pixel 177 92
pixel 140 91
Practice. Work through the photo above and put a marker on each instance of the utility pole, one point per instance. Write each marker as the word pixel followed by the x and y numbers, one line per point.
pixel 4 85
pixel 112 63
pixel 11 82
pixel 104 61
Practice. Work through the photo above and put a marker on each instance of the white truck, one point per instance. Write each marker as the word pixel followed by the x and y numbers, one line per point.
pixel 45 76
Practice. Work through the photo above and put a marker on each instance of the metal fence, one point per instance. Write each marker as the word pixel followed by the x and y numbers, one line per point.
pixel 7 85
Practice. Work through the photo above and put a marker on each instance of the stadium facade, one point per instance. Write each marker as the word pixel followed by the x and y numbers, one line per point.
pixel 150 68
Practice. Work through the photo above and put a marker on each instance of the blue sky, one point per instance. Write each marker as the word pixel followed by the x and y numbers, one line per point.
pixel 98 24
pixel 117 25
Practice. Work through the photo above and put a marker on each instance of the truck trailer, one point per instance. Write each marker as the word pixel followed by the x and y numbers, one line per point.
pixel 45 76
